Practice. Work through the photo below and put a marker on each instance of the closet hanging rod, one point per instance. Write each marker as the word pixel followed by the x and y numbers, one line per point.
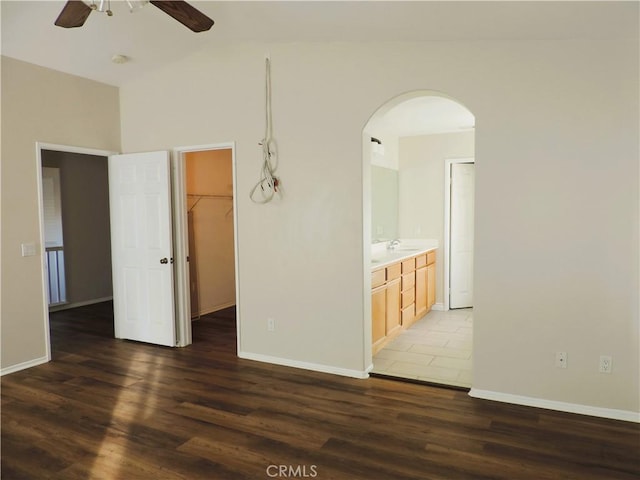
pixel 199 197
pixel 208 195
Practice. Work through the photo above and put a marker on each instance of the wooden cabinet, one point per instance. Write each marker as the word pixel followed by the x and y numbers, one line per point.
pixel 378 277
pixel 378 314
pixel 393 271
pixel 421 291
pixel 385 307
pixel 408 265
pixel 408 292
pixel 393 307
pixel 425 283
pixel 401 293
pixel 431 285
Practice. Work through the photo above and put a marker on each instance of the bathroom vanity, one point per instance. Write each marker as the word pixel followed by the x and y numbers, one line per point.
pixel 403 289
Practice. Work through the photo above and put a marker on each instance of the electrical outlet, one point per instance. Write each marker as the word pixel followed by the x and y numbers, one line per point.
pixel 561 359
pixel 271 325
pixel 605 364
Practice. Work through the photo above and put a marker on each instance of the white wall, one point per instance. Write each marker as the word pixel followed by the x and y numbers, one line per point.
pixel 39 105
pixel 422 169
pixel 557 196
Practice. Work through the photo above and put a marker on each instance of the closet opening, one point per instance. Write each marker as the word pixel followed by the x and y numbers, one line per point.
pixel 210 231
pixel 206 237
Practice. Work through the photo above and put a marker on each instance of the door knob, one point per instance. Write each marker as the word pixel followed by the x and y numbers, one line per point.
pixel 164 260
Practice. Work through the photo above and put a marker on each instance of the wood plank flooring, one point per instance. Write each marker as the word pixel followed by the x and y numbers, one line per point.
pixel 111 409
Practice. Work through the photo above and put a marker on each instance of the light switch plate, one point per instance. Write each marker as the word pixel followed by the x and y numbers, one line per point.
pixel 28 249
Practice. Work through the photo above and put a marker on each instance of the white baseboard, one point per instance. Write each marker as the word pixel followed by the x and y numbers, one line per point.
pixel 614 414
pixel 316 367
pixel 68 306
pixel 24 365
pixel 439 307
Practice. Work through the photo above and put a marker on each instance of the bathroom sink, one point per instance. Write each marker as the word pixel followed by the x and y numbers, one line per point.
pixel 384 256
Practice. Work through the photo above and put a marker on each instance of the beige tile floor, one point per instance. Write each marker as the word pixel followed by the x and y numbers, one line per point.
pixel 437 348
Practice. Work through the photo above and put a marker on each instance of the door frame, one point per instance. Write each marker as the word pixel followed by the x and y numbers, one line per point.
pixel 181 239
pixel 43 256
pixel 447 220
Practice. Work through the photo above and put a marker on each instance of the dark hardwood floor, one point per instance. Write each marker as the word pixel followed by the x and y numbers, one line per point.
pixel 113 409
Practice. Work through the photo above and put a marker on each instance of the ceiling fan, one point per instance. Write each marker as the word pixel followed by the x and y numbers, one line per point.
pixel 76 12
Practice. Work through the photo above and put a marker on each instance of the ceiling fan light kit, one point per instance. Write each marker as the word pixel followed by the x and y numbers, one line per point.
pixel 75 12
pixel 104 6
pixel 136 5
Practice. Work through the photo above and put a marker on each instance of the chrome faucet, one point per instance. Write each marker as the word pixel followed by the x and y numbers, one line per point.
pixel 393 243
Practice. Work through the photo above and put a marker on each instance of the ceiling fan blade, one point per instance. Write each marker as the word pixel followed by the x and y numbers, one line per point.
pixel 186 14
pixel 73 14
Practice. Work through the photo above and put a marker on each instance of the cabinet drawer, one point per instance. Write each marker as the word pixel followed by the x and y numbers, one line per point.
pixel 377 278
pixel 408 281
pixel 431 257
pixel 421 260
pixel 393 271
pixel 408 298
pixel 408 314
pixel 409 265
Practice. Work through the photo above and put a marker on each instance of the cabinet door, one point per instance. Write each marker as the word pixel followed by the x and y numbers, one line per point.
pixel 378 313
pixel 393 306
pixel 421 291
pixel 431 285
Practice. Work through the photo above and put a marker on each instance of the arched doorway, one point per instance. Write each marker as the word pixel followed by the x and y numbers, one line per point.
pixel 418 170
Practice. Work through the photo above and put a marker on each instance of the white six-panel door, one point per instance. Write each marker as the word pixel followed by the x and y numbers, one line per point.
pixel 141 247
pixel 461 235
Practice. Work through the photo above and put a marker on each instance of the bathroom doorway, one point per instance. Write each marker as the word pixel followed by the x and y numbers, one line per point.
pixel 415 138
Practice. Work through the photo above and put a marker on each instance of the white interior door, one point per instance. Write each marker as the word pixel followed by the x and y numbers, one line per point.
pixel 141 247
pixel 461 235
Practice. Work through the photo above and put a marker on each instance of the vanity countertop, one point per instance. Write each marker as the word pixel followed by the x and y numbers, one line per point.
pixel 381 256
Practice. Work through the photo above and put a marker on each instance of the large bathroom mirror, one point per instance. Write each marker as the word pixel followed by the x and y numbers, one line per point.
pixel 384 204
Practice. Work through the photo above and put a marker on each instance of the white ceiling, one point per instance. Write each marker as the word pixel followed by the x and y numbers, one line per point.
pixel 151 38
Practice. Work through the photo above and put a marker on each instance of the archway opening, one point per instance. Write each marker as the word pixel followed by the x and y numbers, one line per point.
pixel 418 205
